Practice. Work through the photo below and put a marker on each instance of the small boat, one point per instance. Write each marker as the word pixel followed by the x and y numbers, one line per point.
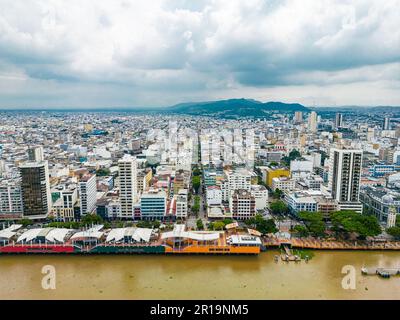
pixel 384 274
pixel 364 270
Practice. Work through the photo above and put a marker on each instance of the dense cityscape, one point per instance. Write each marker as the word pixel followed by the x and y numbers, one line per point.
pixel 187 151
pixel 121 177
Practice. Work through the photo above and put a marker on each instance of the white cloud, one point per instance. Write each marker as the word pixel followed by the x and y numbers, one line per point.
pixel 162 52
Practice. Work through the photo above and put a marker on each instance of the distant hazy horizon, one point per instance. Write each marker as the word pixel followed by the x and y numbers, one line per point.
pixel 141 108
pixel 137 54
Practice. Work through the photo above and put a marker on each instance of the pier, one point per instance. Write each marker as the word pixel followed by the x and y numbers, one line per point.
pixel 382 272
pixel 288 255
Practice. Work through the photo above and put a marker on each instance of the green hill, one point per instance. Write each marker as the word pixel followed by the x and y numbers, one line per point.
pixel 236 108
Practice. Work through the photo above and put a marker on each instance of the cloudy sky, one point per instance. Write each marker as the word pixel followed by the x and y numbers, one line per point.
pixel 104 53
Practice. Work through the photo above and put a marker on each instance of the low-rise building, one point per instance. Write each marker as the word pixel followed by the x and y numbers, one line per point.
pixel 275 172
pixel 312 201
pixel 153 204
pixel 63 207
pixel 213 195
pixel 379 200
pixel 283 184
pixel 182 203
pixel 300 201
pixel 260 194
pixel 242 204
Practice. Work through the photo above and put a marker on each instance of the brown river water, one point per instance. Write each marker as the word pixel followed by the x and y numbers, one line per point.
pixel 198 277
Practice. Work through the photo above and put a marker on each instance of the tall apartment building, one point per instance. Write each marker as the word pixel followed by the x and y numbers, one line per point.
pixel 338 120
pixel 344 177
pixel 312 121
pixel 10 200
pixel 298 117
pixel 35 154
pixel 128 185
pixel 386 123
pixel 88 193
pixel 35 189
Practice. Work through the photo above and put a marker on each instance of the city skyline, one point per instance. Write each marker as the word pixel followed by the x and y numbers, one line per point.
pixel 140 54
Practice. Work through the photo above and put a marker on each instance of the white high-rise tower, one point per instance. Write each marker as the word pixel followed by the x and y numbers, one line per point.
pixel 312 121
pixel 128 185
pixel 344 177
pixel 88 193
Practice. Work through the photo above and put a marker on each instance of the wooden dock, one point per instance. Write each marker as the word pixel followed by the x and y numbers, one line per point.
pixel 382 272
pixel 288 255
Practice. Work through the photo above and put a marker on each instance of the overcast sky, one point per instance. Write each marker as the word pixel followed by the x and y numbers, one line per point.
pixel 104 53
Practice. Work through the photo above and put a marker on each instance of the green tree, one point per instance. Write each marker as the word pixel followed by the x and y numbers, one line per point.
pixel 301 230
pixel 144 224
pixel 103 172
pixel 260 224
pixel 196 171
pixel 196 205
pixel 394 231
pixel 218 225
pixel 354 222
pixel 227 221
pixel 279 207
pixel 317 228
pixel 26 222
pixel 277 194
pixel 314 222
pixel 196 183
pixel 156 224
pixel 91 219
pixel 293 155
pixel 310 216
pixel 199 224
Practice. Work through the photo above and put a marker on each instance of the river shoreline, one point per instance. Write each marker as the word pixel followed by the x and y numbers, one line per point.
pixel 198 276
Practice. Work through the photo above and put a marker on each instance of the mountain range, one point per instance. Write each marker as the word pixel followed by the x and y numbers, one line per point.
pixel 235 108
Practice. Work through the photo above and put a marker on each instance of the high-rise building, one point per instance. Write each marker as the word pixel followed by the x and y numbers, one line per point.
pixel 2 166
pixel 10 200
pixel 128 185
pixel 312 121
pixel 88 193
pixel 35 154
pixel 344 177
pixel 35 188
pixel 338 120
pixel 386 123
pixel 298 117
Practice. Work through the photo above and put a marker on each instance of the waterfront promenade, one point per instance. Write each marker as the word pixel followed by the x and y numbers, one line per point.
pixel 318 244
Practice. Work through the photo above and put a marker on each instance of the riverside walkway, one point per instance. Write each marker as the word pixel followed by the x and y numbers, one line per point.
pixel 311 243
